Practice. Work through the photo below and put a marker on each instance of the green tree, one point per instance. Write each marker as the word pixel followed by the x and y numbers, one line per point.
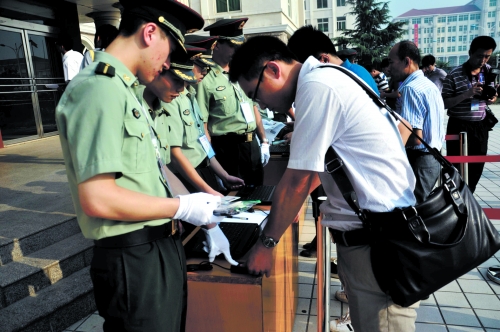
pixel 372 42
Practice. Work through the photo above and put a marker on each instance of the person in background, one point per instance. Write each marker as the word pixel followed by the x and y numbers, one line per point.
pixel 163 96
pixel 435 74
pixel 104 35
pixel 378 76
pixel 348 54
pixel 391 96
pixel 71 59
pixel 462 89
pixel 234 123
pixel 422 106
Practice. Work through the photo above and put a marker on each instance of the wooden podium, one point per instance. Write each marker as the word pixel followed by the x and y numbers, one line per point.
pixel 221 301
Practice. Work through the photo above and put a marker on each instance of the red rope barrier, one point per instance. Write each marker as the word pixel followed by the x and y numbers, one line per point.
pixel 451 137
pixel 473 159
pixel 492 213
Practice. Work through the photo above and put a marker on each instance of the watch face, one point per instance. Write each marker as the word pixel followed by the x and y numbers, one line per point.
pixel 268 242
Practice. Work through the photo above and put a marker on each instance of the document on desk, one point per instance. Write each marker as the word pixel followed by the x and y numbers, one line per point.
pixel 256 217
pixel 272 128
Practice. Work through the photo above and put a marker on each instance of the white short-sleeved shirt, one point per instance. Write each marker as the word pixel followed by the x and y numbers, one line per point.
pixel 332 109
pixel 72 61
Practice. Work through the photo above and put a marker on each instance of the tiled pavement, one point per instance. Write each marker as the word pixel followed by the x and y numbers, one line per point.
pixel 471 303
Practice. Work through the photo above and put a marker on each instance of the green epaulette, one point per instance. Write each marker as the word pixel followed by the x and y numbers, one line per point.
pixel 105 69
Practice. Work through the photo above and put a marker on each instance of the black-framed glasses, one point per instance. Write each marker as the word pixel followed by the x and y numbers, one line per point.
pixel 254 97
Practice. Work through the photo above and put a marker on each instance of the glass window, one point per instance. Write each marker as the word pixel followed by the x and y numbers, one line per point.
pixel 427 19
pixel 416 20
pixel 322 3
pixel 341 23
pixel 463 17
pixel 441 19
pixel 228 5
pixel 493 3
pixel 340 3
pixel 462 59
pixel 491 14
pixel 452 18
pixel 323 24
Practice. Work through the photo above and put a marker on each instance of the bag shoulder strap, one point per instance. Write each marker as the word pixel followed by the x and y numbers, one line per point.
pixel 381 103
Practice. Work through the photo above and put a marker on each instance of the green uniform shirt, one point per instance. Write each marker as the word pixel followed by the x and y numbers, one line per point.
pixel 103 130
pixel 161 118
pixel 186 126
pixel 221 100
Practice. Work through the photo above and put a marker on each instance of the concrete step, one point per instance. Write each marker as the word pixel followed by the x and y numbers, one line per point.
pixel 20 237
pixel 31 273
pixel 53 308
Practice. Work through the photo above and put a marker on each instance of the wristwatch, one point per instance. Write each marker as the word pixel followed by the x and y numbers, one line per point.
pixel 267 241
pixel 265 140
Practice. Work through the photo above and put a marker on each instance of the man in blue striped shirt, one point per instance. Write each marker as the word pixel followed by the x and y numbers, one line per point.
pixel 422 106
pixel 466 110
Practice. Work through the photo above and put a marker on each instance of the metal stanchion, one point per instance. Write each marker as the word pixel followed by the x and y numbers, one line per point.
pixel 464 167
pixel 323 273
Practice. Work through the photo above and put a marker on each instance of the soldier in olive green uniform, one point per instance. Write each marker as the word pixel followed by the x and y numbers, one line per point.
pixel 233 120
pixel 114 170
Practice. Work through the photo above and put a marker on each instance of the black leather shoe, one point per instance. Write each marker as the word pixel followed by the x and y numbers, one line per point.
pixel 310 245
pixel 494 273
pixel 308 253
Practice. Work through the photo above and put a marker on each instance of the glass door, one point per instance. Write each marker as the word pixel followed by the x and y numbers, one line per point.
pixel 30 73
pixel 46 77
pixel 17 116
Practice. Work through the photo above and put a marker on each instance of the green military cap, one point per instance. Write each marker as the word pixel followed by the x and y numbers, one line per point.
pixel 173 16
pixel 229 28
pixel 183 68
pixel 207 43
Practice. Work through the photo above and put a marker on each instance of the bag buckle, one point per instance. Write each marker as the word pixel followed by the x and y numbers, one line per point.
pixel 416 224
pixel 336 164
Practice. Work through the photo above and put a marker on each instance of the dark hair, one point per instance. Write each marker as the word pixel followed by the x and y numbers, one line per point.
pixel 248 59
pixel 66 41
pixel 309 41
pixel 371 66
pixel 409 49
pixel 129 25
pixel 484 42
pixel 384 63
pixel 107 33
pixel 428 60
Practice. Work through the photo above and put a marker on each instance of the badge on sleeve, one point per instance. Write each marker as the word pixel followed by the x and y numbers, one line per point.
pixel 220 88
pixel 136 113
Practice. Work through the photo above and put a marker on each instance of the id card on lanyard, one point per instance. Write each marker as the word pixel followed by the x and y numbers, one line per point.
pixel 245 106
pixel 202 138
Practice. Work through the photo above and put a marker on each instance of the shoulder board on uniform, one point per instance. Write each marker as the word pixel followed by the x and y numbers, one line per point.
pixel 105 69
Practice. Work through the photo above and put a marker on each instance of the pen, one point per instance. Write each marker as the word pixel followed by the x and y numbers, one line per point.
pixel 236 217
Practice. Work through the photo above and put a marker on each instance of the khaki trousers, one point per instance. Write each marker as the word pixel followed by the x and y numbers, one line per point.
pixel 371 309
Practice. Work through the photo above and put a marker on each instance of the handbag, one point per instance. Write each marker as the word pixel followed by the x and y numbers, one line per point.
pixel 490 120
pixel 419 249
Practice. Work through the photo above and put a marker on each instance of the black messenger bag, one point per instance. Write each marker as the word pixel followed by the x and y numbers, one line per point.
pixel 417 250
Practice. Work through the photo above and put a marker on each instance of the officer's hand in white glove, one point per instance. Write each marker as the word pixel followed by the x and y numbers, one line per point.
pixel 197 209
pixel 216 244
pixel 265 155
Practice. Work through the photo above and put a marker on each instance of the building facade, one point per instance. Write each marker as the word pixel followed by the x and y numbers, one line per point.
pixel 330 16
pixel 447 32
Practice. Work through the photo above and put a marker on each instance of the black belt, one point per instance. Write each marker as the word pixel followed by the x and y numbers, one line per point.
pixel 138 237
pixel 357 237
pixel 237 138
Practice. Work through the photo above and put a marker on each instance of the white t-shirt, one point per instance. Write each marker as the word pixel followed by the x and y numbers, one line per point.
pixel 332 109
pixel 71 64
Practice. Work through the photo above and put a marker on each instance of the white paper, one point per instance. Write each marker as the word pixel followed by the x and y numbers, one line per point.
pixel 256 217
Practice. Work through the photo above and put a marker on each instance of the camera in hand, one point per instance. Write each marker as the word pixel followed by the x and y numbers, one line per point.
pixel 489 88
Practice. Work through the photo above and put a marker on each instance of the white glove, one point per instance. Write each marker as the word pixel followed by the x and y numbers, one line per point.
pixel 216 244
pixel 197 209
pixel 265 155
